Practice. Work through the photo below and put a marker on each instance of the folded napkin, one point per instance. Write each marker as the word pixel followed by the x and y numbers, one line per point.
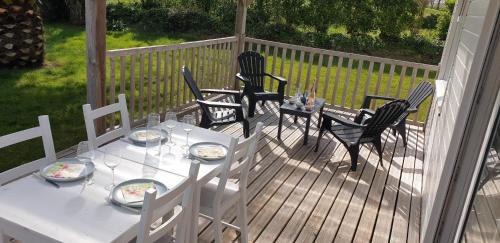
pixel 135 192
pixel 64 170
pixel 210 152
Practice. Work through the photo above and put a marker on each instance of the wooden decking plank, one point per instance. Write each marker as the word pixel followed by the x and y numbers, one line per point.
pixel 371 209
pixel 382 230
pixel 330 227
pixel 270 163
pixel 297 194
pixel 415 142
pixel 399 231
pixel 264 187
pixel 278 190
pixel 306 207
pixel 353 213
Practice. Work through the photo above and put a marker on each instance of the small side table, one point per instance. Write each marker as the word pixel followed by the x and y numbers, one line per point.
pixel 289 109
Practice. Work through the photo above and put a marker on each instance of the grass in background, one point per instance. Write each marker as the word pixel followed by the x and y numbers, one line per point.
pixel 58 89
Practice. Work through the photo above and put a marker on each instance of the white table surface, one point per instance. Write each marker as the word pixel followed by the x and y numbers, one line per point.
pixel 66 215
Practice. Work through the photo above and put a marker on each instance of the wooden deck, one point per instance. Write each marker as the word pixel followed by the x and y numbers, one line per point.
pixel 298 195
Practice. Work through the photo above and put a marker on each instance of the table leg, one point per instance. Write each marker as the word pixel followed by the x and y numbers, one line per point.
pixel 320 116
pixel 295 119
pixel 306 133
pixel 192 231
pixel 279 125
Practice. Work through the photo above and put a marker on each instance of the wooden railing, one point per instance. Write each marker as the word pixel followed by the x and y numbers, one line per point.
pixel 151 76
pixel 343 79
pixel 152 80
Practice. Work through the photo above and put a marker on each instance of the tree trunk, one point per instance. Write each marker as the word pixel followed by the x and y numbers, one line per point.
pixel 21 33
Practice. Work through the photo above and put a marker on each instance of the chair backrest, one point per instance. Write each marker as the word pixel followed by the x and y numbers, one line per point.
pixel 244 156
pixel 384 116
pixel 178 198
pixel 91 115
pixel 419 94
pixel 252 67
pixel 188 77
pixel 43 131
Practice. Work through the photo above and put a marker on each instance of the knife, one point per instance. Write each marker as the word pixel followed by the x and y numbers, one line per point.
pixel 46 180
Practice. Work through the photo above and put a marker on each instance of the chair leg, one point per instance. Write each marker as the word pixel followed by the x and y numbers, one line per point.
pixel 263 103
pixel 217 222
pixel 321 132
pixel 401 128
pixel 378 145
pixel 251 107
pixel 246 128
pixel 242 221
pixel 354 153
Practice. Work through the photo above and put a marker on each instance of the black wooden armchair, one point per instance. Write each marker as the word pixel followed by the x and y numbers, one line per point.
pixel 253 75
pixel 352 134
pixel 229 113
pixel 415 99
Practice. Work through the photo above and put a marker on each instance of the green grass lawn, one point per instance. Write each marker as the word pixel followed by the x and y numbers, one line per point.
pixel 58 89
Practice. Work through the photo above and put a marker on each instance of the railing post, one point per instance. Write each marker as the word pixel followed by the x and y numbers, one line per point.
pixel 240 25
pixel 95 29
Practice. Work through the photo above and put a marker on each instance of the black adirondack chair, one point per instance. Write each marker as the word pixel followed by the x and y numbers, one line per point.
pixel 352 134
pixel 230 113
pixel 252 75
pixel 416 97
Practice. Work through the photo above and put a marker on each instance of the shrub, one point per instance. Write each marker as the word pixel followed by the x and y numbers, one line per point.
pixel 357 16
pixel 395 16
pixel 430 21
pixel 450 5
pixel 443 25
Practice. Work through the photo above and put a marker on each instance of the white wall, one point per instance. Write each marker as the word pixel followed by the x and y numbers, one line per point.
pixel 444 136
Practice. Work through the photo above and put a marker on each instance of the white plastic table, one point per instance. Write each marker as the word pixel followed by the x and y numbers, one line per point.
pixel 36 210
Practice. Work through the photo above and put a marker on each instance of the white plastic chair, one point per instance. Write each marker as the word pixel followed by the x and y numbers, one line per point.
pixel 220 194
pixel 48 145
pixel 177 201
pixel 90 115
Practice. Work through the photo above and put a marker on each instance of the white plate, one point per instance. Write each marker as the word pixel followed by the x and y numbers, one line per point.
pixel 90 168
pixel 194 152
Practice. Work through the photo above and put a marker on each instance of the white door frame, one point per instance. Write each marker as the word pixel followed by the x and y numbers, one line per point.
pixel 484 102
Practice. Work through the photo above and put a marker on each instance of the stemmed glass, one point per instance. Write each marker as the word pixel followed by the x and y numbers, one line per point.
pixel 188 121
pixel 171 119
pixel 86 154
pixel 112 161
pixel 153 126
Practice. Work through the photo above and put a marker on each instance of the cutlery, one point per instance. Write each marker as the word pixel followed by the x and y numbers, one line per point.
pixel 46 180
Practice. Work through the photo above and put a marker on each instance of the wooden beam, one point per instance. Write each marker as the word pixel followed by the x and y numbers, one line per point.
pixel 239 32
pixel 95 29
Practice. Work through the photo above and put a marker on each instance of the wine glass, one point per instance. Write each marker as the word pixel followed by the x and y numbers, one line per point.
pixel 171 119
pixel 188 121
pixel 86 154
pixel 112 161
pixel 153 127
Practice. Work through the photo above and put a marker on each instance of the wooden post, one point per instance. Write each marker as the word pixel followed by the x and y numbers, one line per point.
pixel 239 32
pixel 95 29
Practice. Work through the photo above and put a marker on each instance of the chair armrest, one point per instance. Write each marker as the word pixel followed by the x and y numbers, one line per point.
pixel 412 110
pixel 221 91
pixel 220 104
pixel 242 78
pixel 280 79
pixel 368 99
pixel 342 120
